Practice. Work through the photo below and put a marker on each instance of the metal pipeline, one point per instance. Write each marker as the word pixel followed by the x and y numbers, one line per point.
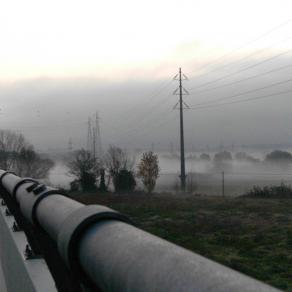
pixel 101 245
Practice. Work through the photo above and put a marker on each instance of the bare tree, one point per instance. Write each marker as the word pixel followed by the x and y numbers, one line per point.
pixel 148 170
pixel 116 160
pixel 11 144
pixel 18 155
pixel 29 163
pixel 85 168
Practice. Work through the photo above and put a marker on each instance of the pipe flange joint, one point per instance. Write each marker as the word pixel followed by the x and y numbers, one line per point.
pixel 20 183
pixel 73 227
pixel 39 198
pixel 30 188
pixel 3 174
pixel 39 189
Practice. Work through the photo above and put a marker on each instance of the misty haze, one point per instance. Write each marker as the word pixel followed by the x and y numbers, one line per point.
pixel 177 114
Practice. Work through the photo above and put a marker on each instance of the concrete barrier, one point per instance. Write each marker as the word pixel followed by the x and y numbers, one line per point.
pixel 20 274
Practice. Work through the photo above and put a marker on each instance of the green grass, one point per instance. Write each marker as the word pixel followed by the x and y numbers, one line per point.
pixel 253 236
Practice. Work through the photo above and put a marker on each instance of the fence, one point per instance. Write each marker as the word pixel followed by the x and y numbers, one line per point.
pixel 212 183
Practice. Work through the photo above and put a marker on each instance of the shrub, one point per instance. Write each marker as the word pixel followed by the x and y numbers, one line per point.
pixel 281 191
pixel 223 156
pixel 242 156
pixel 124 181
pixel 85 168
pixel 279 156
pixel 148 170
pixel 223 160
pixel 205 156
pixel 117 160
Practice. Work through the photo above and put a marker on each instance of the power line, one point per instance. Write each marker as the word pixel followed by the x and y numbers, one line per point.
pixel 241 70
pixel 245 79
pixel 246 92
pixel 242 100
pixel 258 173
pixel 145 130
pixel 148 116
pixel 244 69
pixel 156 93
pixel 130 111
pixel 153 107
pixel 243 45
pixel 54 126
pixel 244 58
pixel 137 129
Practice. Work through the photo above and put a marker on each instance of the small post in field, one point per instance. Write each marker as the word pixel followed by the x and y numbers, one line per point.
pixel 223 184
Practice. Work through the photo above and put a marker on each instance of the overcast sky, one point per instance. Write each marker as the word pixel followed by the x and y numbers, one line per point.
pixel 63 60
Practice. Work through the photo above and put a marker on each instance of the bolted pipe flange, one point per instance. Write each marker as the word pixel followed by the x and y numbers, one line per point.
pixel 7 212
pixel 32 187
pixel 39 189
pixel 3 174
pixel 73 227
pixel 39 197
pixel 20 183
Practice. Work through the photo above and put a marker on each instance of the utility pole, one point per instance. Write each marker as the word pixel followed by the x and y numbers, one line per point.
pixel 223 184
pixel 181 91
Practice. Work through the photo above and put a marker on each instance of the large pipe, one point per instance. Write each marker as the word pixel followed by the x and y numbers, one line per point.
pixel 98 243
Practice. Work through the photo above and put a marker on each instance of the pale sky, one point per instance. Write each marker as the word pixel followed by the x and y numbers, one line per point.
pixel 116 39
pixel 60 61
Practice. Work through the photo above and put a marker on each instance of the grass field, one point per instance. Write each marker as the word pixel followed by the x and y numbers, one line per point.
pixel 253 236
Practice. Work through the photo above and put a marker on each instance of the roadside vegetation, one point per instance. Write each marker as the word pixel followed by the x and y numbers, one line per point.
pixel 281 191
pixel 251 233
pixel 253 236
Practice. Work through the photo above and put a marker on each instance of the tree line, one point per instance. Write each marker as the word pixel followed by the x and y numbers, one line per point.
pixel 273 156
pixel 90 171
pixel 18 155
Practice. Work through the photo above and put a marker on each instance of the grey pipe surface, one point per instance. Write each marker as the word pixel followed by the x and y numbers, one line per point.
pixel 52 212
pixel 9 181
pixel 119 257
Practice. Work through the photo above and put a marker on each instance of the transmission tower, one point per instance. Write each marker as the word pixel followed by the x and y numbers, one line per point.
pixel 70 145
pixel 94 142
pixel 98 135
pixel 89 136
pixel 181 106
pixel 94 146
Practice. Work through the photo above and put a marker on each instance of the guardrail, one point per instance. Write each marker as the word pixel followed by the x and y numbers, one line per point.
pixel 94 248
